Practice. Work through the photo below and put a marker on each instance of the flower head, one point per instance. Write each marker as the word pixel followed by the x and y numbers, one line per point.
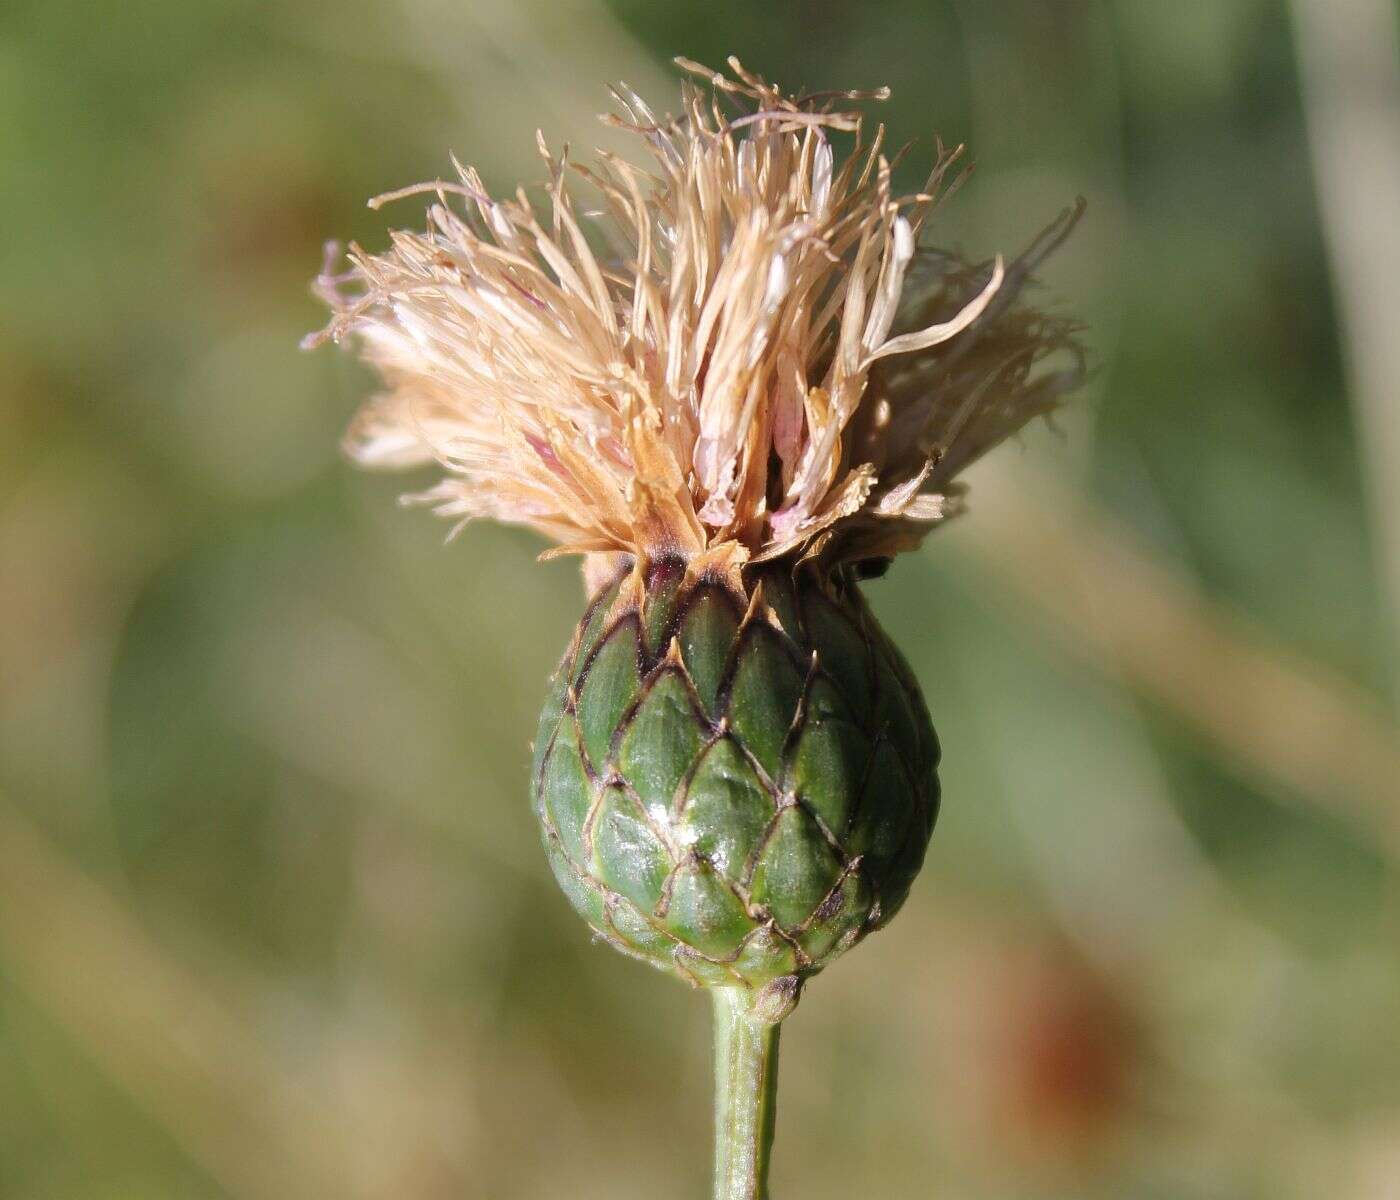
pixel 739 353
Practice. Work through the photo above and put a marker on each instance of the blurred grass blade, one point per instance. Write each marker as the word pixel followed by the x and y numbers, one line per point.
pixel 1289 721
pixel 1349 56
pixel 190 1063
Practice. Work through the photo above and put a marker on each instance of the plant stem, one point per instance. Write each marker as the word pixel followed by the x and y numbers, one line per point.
pixel 746 1096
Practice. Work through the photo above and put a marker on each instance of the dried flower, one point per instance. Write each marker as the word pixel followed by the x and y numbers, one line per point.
pixel 730 386
pixel 737 355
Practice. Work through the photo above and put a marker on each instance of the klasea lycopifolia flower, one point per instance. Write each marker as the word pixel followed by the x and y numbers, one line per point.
pixel 730 376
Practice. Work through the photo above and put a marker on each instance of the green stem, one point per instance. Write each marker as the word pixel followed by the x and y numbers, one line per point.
pixel 746 1096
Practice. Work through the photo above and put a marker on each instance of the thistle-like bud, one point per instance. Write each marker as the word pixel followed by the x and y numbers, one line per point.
pixel 761 391
pixel 735 778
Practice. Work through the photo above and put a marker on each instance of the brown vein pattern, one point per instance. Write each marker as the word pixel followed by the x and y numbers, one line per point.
pixel 734 783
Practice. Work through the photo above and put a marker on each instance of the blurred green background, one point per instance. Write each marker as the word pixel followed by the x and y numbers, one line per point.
pixel 273 917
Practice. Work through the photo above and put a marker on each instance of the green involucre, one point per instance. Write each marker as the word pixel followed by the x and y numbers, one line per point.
pixel 734 790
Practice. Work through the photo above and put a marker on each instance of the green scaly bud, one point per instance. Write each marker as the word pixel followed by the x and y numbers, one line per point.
pixel 734 784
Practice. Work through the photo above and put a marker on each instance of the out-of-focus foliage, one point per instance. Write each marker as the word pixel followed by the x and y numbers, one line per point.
pixel 273 920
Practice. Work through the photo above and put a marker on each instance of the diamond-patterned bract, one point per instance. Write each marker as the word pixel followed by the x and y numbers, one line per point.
pixel 734 784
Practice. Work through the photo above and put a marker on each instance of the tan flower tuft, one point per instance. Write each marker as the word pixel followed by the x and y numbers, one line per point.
pixel 741 354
